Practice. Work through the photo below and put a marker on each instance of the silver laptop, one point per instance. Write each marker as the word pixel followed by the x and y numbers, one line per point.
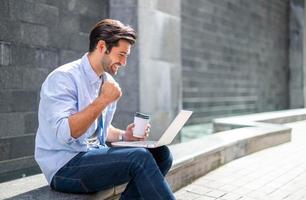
pixel 166 138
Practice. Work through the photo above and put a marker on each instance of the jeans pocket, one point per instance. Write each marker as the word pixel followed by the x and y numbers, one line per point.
pixel 69 185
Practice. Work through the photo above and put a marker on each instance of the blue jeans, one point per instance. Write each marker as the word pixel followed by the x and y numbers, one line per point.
pixel 100 169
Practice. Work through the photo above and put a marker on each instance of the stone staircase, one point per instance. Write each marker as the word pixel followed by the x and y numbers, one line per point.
pixel 239 136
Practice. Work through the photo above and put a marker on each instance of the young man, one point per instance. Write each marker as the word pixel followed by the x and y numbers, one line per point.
pixel 77 104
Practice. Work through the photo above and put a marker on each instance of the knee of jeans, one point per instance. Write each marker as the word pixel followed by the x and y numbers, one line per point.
pixel 170 159
pixel 165 154
pixel 141 155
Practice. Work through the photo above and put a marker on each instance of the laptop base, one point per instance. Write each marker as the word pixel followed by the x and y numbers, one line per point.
pixel 145 144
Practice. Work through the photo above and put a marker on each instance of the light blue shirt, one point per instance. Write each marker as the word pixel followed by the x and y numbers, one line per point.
pixel 66 91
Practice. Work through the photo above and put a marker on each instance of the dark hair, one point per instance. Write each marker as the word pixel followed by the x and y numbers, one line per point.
pixel 111 31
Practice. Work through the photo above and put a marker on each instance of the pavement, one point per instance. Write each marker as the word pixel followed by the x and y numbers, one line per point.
pixel 272 174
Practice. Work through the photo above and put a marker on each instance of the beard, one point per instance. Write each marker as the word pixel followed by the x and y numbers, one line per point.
pixel 108 66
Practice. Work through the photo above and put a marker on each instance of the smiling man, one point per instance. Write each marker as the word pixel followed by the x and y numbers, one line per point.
pixel 77 104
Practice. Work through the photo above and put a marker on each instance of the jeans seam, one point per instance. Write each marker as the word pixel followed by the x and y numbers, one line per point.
pixel 160 197
pixel 54 183
pixel 147 177
pixel 74 179
pixel 89 165
pixel 84 186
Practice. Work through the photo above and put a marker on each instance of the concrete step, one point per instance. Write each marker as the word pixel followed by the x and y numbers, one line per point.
pixel 192 159
pixel 259 119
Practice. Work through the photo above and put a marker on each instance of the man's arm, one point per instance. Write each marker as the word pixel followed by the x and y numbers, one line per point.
pixel 115 134
pixel 81 121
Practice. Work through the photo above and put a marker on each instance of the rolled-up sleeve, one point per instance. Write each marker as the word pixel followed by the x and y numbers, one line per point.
pixel 58 102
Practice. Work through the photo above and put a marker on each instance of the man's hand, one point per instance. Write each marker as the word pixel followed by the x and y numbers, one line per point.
pixel 81 121
pixel 128 136
pixel 111 91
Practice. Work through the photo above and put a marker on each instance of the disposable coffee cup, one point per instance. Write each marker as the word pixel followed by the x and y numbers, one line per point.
pixel 141 122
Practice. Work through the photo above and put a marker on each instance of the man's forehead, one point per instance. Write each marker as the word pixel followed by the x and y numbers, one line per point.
pixel 123 47
pixel 125 51
pixel 122 50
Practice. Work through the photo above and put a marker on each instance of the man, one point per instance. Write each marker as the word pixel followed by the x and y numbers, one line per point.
pixel 77 104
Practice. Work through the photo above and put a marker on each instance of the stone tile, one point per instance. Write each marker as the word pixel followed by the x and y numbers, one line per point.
pixel 47 58
pixel 198 189
pixel 11 78
pixel 246 198
pixel 242 191
pixel 5 53
pixel 17 164
pixel 32 78
pixel 30 122
pixel 228 188
pixel 25 100
pixel 66 56
pixel 210 183
pixel 185 195
pixel 267 190
pixel 26 144
pixel 216 193
pixel 23 56
pixel 206 198
pixel 274 174
pixel 231 196
pixel 4 150
pixel 12 124
pixel 10 31
pixel 33 34
pixel 254 185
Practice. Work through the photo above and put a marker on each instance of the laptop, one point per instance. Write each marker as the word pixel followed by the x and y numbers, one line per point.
pixel 166 138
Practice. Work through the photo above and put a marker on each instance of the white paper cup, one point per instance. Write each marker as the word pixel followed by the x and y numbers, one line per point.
pixel 141 122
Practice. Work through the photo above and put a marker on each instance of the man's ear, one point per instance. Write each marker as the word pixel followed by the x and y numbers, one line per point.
pixel 101 46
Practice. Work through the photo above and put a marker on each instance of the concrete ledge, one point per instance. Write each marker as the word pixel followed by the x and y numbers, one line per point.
pixel 196 158
pixel 191 159
pixel 259 119
pixel 36 188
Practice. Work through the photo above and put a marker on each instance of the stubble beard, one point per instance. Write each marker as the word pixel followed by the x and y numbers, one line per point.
pixel 110 68
pixel 106 65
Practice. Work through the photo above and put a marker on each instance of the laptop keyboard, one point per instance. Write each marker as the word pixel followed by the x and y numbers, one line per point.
pixel 144 142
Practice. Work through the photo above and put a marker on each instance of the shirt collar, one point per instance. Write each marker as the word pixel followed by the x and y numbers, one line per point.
pixel 89 72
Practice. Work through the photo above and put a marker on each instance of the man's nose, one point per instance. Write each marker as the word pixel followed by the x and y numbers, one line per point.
pixel 123 61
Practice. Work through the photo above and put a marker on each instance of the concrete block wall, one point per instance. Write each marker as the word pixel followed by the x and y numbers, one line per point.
pixel 152 81
pixel 159 61
pixel 296 46
pixel 234 57
pixel 304 54
pixel 128 77
pixel 38 36
pixel 35 38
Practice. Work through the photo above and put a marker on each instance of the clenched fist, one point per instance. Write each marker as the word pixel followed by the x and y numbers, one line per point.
pixel 110 91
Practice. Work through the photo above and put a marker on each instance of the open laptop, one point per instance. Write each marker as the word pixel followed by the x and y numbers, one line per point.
pixel 166 138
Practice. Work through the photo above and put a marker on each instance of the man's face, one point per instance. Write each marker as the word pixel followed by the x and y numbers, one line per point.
pixel 116 58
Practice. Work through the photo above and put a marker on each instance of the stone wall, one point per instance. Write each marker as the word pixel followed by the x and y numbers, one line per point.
pixel 304 56
pixel 38 36
pixel 159 61
pixel 35 38
pixel 128 77
pixel 296 75
pixel 234 57
pixel 152 81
